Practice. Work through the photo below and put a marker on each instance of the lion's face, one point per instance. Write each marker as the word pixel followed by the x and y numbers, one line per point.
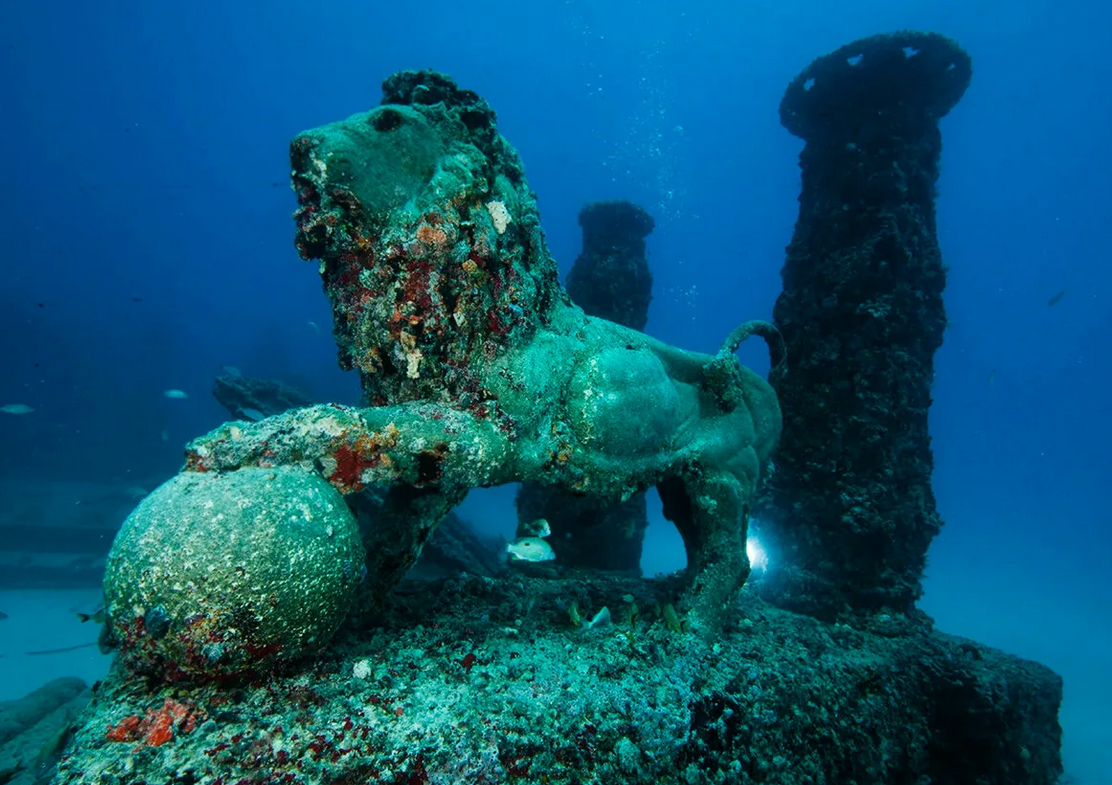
pixel 428 243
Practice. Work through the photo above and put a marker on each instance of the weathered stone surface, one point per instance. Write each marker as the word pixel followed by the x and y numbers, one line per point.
pixel 215 576
pixel 36 729
pixel 851 506
pixel 474 680
pixel 611 279
pixel 16 716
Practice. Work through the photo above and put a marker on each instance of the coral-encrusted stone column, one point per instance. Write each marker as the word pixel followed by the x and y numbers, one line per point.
pixel 852 511
pixel 610 280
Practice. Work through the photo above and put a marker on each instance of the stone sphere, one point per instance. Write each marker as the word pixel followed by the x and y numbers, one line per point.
pixel 219 575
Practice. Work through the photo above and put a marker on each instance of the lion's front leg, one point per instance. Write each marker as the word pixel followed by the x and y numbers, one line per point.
pixel 426 457
pixel 416 444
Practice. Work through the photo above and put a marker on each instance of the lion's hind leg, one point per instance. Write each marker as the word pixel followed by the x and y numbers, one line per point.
pixel 711 512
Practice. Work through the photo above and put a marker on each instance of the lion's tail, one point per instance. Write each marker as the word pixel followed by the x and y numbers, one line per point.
pixel 777 351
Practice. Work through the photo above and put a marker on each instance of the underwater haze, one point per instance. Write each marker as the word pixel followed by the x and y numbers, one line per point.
pixel 148 245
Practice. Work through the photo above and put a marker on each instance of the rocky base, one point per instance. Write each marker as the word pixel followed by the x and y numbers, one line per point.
pixel 479 680
pixel 35 730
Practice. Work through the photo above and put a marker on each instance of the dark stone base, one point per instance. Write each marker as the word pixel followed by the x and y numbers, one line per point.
pixel 478 680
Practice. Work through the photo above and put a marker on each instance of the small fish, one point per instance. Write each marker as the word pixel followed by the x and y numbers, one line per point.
pixel 177 395
pixel 991 377
pixel 137 299
pixel 1056 298
pixel 672 619
pixel 252 414
pixel 96 616
pixel 165 436
pixel 16 408
pixel 3 615
pixel 230 370
pixel 530 549
pixel 601 620
pixel 314 327
pixel 538 528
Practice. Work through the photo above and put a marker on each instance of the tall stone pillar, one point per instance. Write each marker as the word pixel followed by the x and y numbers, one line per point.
pixel 610 280
pixel 851 511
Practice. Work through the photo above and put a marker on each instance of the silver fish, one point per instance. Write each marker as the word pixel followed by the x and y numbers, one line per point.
pixel 601 620
pixel 176 394
pixel 16 408
pixel 537 528
pixel 530 549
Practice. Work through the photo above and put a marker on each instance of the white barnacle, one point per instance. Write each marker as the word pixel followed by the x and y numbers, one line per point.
pixel 499 215
pixel 320 165
pixel 412 363
pixel 412 354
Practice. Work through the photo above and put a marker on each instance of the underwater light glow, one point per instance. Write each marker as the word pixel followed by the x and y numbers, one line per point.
pixel 758 556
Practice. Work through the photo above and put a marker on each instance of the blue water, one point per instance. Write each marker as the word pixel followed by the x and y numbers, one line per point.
pixel 146 239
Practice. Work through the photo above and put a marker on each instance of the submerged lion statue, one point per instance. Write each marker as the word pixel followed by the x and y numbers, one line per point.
pixel 477 369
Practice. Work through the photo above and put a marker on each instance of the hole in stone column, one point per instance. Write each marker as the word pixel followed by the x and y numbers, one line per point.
pixel 809 83
pixel 854 60
pixel 910 51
